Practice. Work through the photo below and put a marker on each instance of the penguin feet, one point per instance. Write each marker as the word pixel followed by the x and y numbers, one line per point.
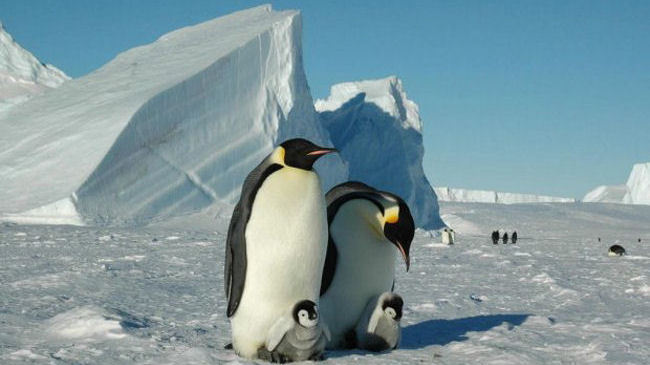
pixel 274 357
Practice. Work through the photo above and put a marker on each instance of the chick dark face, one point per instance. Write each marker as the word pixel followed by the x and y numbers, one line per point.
pixel 302 154
pixel 400 230
pixel 396 303
pixel 305 313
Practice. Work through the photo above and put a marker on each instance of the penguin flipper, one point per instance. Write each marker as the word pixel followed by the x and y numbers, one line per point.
pixel 277 332
pixel 235 267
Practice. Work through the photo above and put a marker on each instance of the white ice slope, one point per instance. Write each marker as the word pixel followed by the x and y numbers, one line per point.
pixel 22 75
pixel 635 191
pixel 378 131
pixel 489 196
pixel 164 129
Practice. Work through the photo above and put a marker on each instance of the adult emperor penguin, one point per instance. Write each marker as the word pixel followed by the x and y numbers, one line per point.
pixel 379 328
pixel 367 229
pixel 276 244
pixel 297 336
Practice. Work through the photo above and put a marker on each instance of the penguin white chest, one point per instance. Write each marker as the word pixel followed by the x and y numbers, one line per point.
pixel 286 241
pixel 365 268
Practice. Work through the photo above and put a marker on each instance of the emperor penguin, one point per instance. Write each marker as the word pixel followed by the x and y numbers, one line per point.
pixel 276 244
pixel 297 336
pixel 379 327
pixel 616 250
pixel 367 230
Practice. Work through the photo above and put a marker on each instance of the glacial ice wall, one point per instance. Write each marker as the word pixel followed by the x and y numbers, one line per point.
pixel 379 133
pixel 489 196
pixel 164 129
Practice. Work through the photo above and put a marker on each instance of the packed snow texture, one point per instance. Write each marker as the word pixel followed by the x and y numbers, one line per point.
pixel 164 129
pixel 488 196
pixel 84 295
pixel 378 131
pixel 22 76
pixel 635 191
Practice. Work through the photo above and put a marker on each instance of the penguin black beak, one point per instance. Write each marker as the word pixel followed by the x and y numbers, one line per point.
pixel 405 256
pixel 322 151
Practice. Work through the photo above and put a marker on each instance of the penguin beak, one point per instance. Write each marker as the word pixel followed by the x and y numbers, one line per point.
pixel 322 151
pixel 405 256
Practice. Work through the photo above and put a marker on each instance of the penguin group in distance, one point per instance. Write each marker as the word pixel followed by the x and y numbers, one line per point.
pixel 303 268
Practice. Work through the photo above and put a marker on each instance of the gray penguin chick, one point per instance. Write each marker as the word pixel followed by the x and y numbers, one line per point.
pixel 379 327
pixel 297 336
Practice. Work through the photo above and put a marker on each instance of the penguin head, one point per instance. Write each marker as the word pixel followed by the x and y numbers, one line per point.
pixel 300 153
pixel 398 225
pixel 305 313
pixel 392 305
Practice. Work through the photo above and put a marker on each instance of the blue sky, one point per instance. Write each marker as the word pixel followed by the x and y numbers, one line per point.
pixel 547 97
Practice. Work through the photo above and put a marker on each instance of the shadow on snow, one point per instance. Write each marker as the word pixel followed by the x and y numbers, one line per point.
pixel 444 331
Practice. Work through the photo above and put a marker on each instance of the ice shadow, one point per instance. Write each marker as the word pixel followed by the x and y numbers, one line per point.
pixel 443 331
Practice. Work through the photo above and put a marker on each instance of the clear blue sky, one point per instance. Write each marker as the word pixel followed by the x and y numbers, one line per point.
pixel 548 97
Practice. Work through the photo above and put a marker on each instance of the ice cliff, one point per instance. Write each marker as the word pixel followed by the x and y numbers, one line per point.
pixel 635 191
pixel 488 196
pixel 164 129
pixel 379 133
pixel 21 74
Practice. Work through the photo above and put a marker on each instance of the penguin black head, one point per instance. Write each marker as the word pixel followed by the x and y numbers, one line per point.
pixel 392 306
pixel 302 154
pixel 305 313
pixel 399 227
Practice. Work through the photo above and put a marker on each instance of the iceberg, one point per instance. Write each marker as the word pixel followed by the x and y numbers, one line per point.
pixel 163 130
pixel 635 191
pixel 23 76
pixel 378 132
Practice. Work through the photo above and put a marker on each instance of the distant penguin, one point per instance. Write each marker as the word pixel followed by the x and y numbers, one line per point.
pixel 514 237
pixel 296 336
pixel 379 327
pixel 446 237
pixel 505 238
pixel 616 250
pixel 598 239
pixel 368 228
pixel 639 240
pixel 452 236
pixel 276 244
pixel 495 237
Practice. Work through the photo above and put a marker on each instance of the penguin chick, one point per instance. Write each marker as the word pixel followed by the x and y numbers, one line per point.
pixel 379 327
pixel 297 336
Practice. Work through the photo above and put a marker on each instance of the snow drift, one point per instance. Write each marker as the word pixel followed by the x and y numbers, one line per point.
pixel 635 191
pixel 488 196
pixel 378 131
pixel 22 75
pixel 164 129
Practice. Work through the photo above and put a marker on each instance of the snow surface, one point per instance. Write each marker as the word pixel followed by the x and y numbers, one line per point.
pixel 22 76
pixel 151 295
pixel 164 129
pixel 379 133
pixel 488 196
pixel 635 191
